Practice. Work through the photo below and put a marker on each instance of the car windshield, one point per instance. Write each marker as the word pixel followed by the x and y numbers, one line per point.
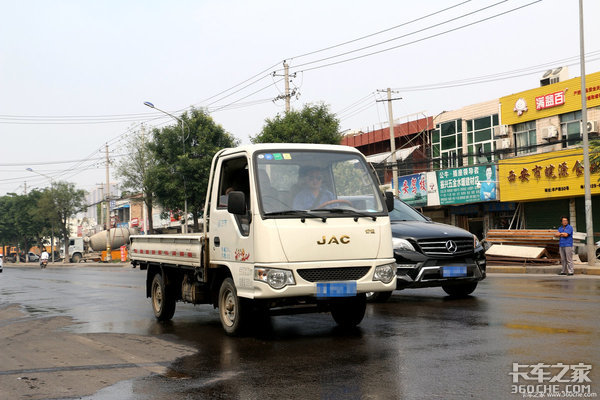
pixel 404 212
pixel 323 182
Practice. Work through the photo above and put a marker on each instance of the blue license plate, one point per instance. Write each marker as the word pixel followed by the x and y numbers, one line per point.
pixel 454 272
pixel 336 289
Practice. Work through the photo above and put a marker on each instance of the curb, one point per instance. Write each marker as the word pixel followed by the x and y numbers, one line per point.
pixel 579 269
pixel 59 264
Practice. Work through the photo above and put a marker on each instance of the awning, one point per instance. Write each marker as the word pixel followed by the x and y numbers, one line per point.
pixel 401 155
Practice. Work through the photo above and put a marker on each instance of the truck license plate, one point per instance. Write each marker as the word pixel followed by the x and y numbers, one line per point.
pixel 454 272
pixel 336 289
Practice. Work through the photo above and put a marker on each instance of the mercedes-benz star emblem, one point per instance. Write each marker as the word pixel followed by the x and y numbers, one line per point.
pixel 451 246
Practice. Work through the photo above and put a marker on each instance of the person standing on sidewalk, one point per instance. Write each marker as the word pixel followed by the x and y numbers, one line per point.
pixel 565 243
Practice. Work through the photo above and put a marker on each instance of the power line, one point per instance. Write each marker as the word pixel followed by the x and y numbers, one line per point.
pixel 381 31
pixel 417 40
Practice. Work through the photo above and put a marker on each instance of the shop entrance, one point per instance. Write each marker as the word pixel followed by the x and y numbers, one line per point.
pixel 476 227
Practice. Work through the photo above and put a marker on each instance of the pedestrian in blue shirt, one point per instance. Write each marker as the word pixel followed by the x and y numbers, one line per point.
pixel 565 243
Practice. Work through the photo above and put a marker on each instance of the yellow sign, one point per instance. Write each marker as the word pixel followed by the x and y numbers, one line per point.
pixel 546 101
pixel 550 175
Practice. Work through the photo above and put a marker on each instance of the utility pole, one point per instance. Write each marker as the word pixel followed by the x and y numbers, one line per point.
pixel 144 206
pixel 25 188
pixel 392 139
pixel 287 95
pixel 108 255
pixel 589 227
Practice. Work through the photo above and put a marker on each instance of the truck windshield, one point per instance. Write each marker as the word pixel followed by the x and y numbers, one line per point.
pixel 322 182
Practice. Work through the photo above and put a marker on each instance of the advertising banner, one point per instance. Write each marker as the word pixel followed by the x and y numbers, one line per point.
pixel 433 197
pixel 412 189
pixel 546 101
pixel 550 175
pixel 467 184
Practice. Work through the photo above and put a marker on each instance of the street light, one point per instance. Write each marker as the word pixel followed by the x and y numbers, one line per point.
pixel 51 187
pixel 185 212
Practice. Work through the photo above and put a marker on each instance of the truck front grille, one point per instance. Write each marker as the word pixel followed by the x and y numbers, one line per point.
pixel 333 274
pixel 440 247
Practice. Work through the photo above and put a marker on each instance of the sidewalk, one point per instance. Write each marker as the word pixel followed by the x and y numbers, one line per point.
pixel 60 264
pixel 579 268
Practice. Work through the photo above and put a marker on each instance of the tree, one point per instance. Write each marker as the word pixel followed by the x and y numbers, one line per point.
pixel 134 170
pixel 313 124
pixel 179 175
pixel 60 203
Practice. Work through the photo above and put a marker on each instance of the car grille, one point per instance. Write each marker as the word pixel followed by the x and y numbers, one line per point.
pixel 333 274
pixel 438 247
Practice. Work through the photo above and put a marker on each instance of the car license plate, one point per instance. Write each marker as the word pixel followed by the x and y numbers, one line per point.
pixel 336 289
pixel 454 271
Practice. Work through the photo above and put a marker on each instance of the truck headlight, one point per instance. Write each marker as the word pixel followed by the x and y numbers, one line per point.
pixel 402 244
pixel 385 273
pixel 274 277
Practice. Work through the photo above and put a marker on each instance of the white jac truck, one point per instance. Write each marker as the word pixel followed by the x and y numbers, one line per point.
pixel 289 228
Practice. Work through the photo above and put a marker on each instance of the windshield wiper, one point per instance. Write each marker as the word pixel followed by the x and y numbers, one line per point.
pixel 356 213
pixel 300 213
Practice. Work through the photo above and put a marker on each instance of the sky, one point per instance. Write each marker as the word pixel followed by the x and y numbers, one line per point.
pixel 74 74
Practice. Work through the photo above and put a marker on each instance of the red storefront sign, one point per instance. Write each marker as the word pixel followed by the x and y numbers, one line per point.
pixel 550 100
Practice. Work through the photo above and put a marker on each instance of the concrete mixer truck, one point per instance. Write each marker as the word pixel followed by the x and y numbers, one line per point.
pixel 91 247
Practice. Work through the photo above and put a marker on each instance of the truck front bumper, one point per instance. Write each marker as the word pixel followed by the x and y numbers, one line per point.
pixel 310 276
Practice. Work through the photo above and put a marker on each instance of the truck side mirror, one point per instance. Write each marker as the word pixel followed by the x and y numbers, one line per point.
pixel 236 203
pixel 389 201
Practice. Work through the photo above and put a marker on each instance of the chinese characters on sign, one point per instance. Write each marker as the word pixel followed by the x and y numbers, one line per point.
pixel 467 185
pixel 413 189
pixel 550 100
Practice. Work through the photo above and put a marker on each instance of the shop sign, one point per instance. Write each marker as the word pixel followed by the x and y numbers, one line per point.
pixel 412 189
pixel 550 100
pixel 557 98
pixel 548 175
pixel 433 197
pixel 467 184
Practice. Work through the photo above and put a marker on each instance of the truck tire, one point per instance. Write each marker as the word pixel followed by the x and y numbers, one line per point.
pixel 378 297
pixel 163 303
pixel 75 258
pixel 349 312
pixel 460 290
pixel 233 310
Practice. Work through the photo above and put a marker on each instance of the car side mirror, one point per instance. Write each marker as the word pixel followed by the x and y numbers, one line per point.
pixel 236 203
pixel 389 201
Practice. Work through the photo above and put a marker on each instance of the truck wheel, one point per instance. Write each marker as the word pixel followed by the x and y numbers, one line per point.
pixel 163 303
pixel 460 290
pixel 232 309
pixel 349 312
pixel 76 258
pixel 378 297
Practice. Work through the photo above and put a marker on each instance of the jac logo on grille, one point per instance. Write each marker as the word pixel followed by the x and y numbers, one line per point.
pixel 344 239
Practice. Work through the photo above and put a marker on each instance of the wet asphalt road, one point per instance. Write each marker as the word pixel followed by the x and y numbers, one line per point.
pixel 419 345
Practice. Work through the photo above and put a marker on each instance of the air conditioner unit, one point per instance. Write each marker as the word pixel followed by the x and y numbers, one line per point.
pixel 501 130
pixel 592 127
pixel 550 132
pixel 502 144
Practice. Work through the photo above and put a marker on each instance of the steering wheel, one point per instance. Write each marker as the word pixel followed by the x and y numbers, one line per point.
pixel 334 201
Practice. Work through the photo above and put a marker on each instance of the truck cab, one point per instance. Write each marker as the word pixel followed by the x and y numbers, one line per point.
pixel 288 227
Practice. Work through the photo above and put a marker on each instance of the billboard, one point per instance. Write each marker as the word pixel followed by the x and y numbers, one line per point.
pixel 467 184
pixel 556 174
pixel 412 189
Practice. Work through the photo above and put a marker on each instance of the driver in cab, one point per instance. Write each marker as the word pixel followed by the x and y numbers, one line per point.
pixel 312 195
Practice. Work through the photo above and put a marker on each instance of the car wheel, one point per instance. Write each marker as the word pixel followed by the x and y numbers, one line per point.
pixel 460 289
pixel 349 312
pixel 233 310
pixel 378 297
pixel 163 303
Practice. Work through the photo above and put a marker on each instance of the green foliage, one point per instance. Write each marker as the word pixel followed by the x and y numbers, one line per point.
pixel 180 174
pixel 312 124
pixel 135 170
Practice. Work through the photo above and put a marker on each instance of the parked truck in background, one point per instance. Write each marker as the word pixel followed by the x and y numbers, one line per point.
pixel 90 248
pixel 265 250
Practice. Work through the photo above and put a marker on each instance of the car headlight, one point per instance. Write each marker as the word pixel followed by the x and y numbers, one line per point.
pixel 402 244
pixel 275 277
pixel 385 273
pixel 476 242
